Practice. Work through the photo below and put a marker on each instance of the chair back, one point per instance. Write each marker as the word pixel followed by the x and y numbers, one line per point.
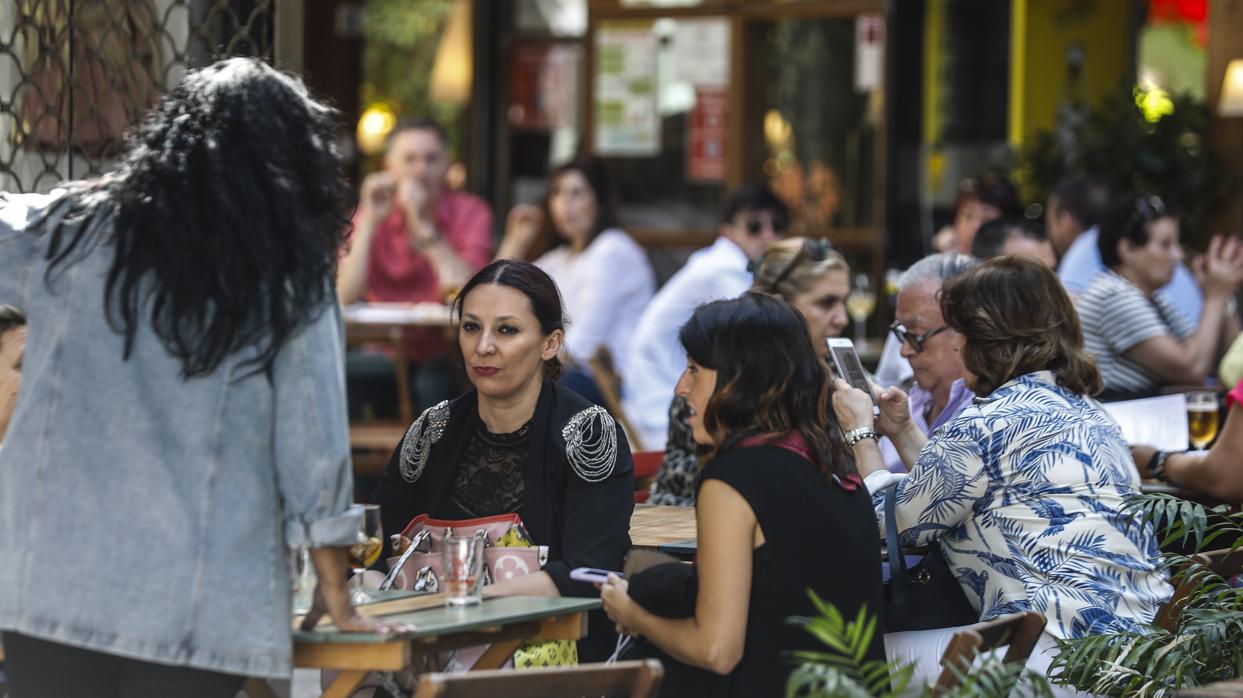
pixel 646 465
pixel 1223 563
pixel 637 679
pixel 372 442
pixel 1016 631
pixel 605 375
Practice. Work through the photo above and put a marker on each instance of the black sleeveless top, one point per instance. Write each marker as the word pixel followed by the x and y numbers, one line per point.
pixel 817 535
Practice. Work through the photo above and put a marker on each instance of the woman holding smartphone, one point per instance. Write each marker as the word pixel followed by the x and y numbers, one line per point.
pixel 778 478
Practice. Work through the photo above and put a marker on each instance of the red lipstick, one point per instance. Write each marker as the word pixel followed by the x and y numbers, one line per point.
pixel 485 371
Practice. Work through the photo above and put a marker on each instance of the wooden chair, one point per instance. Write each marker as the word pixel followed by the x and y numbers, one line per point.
pixel 372 443
pixel 1231 688
pixel 1220 562
pixel 1019 631
pixel 646 465
pixel 605 375
pixel 639 679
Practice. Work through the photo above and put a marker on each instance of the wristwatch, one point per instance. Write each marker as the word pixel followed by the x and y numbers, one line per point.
pixel 1156 466
pixel 854 436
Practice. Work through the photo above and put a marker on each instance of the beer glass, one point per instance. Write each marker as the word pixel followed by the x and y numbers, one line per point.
pixel 1202 418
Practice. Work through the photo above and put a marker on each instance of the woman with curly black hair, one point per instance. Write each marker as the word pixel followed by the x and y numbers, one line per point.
pixel 182 407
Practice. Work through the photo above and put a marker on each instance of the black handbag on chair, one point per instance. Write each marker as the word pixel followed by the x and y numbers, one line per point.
pixel 926 596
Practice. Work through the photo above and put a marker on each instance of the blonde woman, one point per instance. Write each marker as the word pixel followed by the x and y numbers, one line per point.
pixel 809 274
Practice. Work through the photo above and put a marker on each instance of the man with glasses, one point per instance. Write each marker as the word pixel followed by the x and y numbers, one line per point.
pixel 753 219
pixel 928 344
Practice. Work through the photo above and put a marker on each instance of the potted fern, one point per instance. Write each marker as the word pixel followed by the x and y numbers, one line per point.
pixel 1203 643
pixel 842 671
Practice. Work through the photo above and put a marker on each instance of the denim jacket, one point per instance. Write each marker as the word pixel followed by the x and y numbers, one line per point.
pixel 146 515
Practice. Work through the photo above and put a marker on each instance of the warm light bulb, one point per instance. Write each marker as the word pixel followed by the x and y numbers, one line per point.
pixel 373 127
pixel 1230 103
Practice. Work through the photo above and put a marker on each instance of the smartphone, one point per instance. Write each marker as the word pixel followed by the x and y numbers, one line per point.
pixel 591 574
pixel 846 365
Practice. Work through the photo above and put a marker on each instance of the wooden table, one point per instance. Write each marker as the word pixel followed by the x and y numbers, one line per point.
pixel 502 623
pixel 361 317
pixel 653 525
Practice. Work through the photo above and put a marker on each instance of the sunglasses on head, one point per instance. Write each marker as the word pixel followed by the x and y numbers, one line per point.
pixel 755 226
pixel 915 340
pixel 812 249
pixel 1147 209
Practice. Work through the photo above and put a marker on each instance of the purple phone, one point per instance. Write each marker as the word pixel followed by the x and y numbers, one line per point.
pixel 591 574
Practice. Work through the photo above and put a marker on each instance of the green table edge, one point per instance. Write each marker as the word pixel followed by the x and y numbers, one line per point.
pixel 443 620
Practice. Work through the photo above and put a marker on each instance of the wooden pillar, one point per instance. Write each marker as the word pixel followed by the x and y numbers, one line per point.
pixel 1225 135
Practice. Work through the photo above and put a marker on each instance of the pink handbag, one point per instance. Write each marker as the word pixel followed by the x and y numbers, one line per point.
pixel 508 551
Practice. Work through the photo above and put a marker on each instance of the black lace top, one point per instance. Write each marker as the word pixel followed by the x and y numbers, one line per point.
pixel 490 478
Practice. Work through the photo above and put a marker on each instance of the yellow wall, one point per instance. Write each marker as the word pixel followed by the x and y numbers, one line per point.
pixel 934 33
pixel 1041 32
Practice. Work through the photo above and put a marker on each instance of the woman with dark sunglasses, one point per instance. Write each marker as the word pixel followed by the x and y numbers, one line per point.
pixel 1140 341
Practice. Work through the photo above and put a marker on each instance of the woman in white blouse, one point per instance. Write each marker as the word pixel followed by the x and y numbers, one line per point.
pixel 604 275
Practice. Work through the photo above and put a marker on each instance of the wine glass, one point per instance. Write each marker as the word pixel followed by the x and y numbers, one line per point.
pixel 366 549
pixel 860 303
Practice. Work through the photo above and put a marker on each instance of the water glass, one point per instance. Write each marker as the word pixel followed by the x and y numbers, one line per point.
pixel 463 570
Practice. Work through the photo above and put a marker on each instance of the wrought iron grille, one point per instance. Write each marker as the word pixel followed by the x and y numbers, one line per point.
pixel 76 74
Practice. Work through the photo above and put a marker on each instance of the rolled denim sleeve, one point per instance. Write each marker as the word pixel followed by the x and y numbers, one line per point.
pixel 311 437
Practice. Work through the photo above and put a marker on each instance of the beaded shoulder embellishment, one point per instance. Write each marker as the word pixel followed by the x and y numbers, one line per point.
pixel 417 445
pixel 591 443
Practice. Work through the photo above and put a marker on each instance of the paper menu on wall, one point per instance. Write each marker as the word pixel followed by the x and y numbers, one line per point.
pixel 1160 422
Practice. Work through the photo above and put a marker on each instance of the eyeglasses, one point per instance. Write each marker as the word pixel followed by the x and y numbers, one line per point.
pixel 915 340
pixel 813 249
pixel 754 226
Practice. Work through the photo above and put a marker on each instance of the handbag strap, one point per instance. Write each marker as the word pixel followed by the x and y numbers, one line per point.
pixel 897 562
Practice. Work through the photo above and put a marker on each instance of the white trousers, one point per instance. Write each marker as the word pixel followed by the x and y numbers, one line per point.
pixel 925 648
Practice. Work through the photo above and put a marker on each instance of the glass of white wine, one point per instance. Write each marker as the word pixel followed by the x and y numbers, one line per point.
pixel 1202 418
pixel 860 303
pixel 366 549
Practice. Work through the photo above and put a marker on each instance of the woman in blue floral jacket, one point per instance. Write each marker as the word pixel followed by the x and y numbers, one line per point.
pixel 1025 490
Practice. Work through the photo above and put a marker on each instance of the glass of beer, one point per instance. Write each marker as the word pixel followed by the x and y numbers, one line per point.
pixel 365 550
pixel 1202 418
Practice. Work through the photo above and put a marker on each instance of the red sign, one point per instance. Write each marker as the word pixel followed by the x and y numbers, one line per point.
pixel 706 133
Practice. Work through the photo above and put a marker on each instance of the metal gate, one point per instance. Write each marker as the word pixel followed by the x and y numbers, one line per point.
pixel 76 74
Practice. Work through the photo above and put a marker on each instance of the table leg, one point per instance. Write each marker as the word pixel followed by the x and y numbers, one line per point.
pixel 345 683
pixel 496 654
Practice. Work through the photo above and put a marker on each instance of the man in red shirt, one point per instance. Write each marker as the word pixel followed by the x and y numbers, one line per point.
pixel 415 241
